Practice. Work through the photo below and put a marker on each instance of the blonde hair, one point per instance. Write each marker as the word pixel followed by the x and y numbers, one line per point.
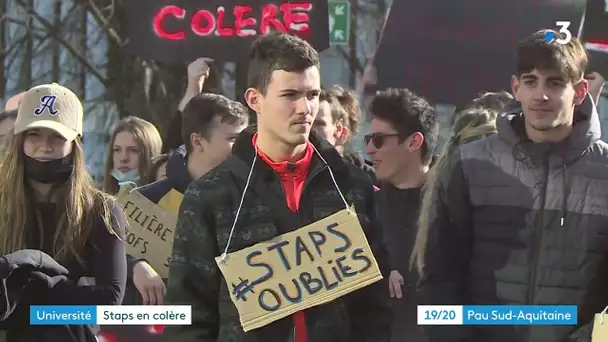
pixel 5 142
pixel 149 144
pixel 80 205
pixel 471 124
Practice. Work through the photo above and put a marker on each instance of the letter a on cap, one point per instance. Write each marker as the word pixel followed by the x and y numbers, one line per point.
pixel 47 102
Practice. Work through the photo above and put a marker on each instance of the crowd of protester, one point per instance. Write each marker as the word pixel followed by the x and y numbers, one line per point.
pixel 512 210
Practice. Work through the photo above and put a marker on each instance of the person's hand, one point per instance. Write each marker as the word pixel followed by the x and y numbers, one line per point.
pixel 198 71
pixel 149 284
pixel 596 85
pixel 395 282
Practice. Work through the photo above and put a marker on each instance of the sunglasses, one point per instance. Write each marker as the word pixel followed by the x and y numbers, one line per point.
pixel 378 139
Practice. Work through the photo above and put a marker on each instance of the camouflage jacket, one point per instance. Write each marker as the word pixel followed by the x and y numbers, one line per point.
pixel 205 219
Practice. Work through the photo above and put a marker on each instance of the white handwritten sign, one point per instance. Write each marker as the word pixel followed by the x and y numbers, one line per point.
pixel 298 270
pixel 150 232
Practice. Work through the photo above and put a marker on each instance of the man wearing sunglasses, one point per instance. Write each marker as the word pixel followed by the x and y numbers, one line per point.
pixel 403 135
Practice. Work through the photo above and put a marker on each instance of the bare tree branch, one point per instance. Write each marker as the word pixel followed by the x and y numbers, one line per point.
pixel 10 49
pixel 67 45
pixel 150 68
pixel 39 33
pixel 72 9
pixel 105 22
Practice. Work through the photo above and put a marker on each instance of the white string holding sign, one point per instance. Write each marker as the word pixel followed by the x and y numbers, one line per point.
pixel 238 210
pixel 335 245
pixel 247 183
pixel 605 309
pixel 599 332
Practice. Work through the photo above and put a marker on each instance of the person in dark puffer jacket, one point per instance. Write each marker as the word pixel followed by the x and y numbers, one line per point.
pixel 521 217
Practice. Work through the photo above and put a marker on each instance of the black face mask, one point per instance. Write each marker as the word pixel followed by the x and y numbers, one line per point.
pixel 49 172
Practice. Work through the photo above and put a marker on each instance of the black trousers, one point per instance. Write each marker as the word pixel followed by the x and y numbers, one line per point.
pixel 404 327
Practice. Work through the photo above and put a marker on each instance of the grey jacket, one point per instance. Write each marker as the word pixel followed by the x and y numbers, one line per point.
pixel 522 223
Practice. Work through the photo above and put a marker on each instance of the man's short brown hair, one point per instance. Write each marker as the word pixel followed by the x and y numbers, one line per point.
pixel 344 107
pixel 535 52
pixel 203 108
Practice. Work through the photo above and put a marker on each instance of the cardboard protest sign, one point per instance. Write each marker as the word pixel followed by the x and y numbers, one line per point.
pixel 449 51
pixel 180 31
pixel 600 327
pixel 301 269
pixel 150 232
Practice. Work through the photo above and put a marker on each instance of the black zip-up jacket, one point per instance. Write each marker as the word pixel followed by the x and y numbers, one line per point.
pixel 19 267
pixel 521 223
pixel 364 165
pixel 25 274
pixel 205 219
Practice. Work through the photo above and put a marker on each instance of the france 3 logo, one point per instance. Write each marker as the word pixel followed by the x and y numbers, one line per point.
pixel 564 37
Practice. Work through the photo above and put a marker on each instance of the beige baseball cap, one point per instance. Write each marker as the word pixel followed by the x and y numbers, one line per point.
pixel 50 106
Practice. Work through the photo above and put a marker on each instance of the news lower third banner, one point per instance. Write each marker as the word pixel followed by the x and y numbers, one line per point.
pixel 497 315
pixel 111 315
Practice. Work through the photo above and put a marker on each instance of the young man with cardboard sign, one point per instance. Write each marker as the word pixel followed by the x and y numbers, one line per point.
pixel 278 214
